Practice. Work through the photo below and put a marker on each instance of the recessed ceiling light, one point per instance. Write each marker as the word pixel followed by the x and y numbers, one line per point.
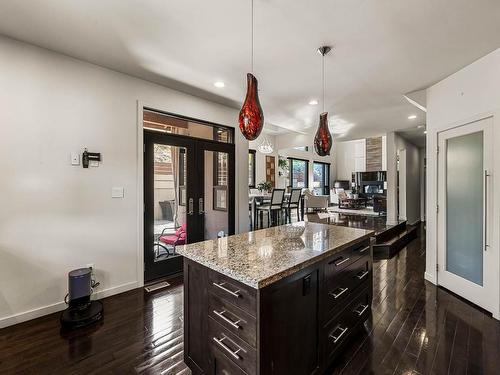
pixel 425 131
pixel 219 84
pixel 313 102
pixel 412 117
pixel 420 126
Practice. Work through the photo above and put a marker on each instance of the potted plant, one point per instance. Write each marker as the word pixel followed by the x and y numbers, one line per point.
pixel 265 186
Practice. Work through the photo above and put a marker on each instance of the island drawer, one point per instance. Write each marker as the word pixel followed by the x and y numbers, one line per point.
pixel 338 330
pixel 234 319
pixel 338 289
pixel 223 366
pixel 231 347
pixel 233 291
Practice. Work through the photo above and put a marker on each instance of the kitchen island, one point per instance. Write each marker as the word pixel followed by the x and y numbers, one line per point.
pixel 282 300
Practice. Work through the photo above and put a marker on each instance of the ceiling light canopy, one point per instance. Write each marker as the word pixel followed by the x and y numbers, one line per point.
pixel 313 102
pixel 219 84
pixel 412 117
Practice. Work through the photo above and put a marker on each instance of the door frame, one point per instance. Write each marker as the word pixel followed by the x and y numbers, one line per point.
pixel 490 257
pixel 141 105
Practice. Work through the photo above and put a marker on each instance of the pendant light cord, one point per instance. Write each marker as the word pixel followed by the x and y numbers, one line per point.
pixel 322 77
pixel 252 41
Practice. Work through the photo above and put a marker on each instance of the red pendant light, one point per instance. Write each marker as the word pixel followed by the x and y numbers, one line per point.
pixel 323 139
pixel 251 119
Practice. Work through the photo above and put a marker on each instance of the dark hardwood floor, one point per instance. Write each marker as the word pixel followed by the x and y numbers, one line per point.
pixel 416 328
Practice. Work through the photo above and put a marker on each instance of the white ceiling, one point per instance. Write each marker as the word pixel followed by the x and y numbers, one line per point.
pixel 382 49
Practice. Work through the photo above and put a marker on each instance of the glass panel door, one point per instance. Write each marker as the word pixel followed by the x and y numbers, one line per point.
pixel 216 194
pixel 170 200
pixel 188 197
pixel 167 203
pixel 464 206
pixel 465 257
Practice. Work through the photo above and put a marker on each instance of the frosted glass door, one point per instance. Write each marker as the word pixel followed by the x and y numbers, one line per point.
pixel 467 257
pixel 464 206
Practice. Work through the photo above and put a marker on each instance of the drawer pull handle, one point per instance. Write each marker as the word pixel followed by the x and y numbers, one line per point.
pixel 362 275
pixel 364 249
pixel 337 295
pixel 232 353
pixel 236 293
pixel 340 262
pixel 363 309
pixel 221 315
pixel 337 338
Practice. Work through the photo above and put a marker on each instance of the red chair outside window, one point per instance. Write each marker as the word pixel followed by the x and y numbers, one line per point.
pixel 172 240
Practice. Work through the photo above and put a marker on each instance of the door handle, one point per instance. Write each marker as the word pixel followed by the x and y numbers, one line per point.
pixel 486 175
pixel 190 206
pixel 201 207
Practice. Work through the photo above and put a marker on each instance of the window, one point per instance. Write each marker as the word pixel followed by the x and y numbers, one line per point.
pixel 299 170
pixel 251 168
pixel 321 178
pixel 172 124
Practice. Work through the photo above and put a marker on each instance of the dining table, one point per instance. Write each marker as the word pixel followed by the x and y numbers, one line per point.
pixel 264 197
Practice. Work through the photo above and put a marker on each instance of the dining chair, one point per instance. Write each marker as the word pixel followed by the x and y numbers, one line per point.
pixel 293 203
pixel 275 206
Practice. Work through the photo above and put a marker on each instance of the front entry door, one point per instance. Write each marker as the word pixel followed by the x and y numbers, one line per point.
pixel 465 256
pixel 188 197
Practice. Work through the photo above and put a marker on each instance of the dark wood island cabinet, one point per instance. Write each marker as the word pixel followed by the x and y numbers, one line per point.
pixel 283 300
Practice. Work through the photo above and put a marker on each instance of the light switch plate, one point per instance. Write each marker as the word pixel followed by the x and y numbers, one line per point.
pixel 75 158
pixel 117 192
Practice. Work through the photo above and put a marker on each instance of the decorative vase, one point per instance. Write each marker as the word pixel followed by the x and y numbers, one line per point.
pixel 323 138
pixel 251 118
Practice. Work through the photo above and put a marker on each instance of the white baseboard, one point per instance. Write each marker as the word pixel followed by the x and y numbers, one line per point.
pixel 416 222
pixel 59 306
pixel 430 278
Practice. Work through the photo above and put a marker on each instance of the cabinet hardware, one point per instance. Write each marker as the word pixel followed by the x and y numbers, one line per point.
pixel 362 275
pixel 363 250
pixel 341 262
pixel 221 315
pixel 337 295
pixel 337 338
pixel 363 309
pixel 233 354
pixel 221 286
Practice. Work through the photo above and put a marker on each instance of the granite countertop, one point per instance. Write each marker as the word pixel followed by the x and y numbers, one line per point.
pixel 262 257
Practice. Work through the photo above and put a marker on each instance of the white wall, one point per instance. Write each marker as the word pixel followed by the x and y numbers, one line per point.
pixel 55 217
pixel 410 210
pixel 470 94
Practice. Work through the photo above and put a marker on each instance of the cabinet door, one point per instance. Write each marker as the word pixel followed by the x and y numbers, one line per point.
pixel 289 323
